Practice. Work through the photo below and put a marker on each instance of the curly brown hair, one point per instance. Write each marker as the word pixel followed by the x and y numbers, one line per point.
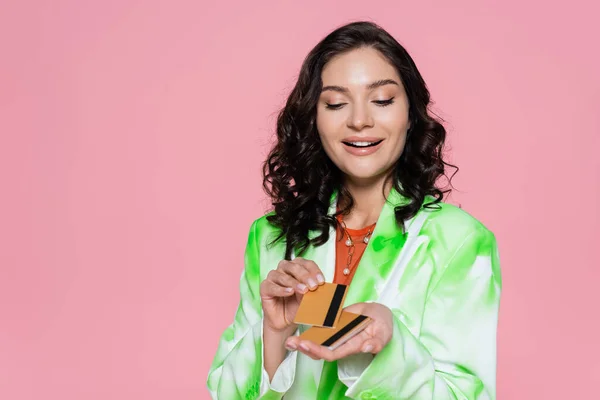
pixel 300 178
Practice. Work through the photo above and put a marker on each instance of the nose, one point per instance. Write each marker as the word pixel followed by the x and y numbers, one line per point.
pixel 360 117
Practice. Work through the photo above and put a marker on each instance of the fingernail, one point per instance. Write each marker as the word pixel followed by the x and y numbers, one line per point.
pixel 367 348
pixel 312 283
pixel 290 346
pixel 304 346
pixel 320 278
pixel 301 287
pixel 289 289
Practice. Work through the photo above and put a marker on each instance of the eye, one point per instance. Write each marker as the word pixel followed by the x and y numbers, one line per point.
pixel 334 106
pixel 384 103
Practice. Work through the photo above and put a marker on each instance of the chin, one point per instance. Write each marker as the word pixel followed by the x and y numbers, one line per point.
pixel 362 174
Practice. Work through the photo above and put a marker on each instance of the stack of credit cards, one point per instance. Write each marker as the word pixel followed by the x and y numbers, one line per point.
pixel 331 326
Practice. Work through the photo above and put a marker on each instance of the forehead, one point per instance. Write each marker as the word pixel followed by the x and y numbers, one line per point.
pixel 357 68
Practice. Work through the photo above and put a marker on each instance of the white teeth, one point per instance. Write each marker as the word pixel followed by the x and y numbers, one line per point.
pixel 361 143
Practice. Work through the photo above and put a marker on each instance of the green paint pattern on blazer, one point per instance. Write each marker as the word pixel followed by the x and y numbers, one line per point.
pixel 442 281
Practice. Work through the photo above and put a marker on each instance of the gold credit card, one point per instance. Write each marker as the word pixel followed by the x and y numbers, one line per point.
pixel 349 325
pixel 323 306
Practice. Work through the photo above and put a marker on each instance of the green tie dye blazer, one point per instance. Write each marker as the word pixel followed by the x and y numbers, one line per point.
pixel 442 281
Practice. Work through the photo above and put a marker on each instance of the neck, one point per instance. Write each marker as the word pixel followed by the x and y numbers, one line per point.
pixel 369 199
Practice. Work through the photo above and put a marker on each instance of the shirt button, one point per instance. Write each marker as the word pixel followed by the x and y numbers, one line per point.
pixel 366 395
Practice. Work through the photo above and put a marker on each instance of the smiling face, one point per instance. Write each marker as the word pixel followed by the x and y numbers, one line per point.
pixel 362 114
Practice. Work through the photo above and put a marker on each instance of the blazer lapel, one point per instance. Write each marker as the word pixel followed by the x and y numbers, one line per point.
pixel 380 254
pixel 378 258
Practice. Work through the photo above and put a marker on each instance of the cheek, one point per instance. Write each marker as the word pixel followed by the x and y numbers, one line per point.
pixel 399 140
pixel 394 119
pixel 400 144
pixel 326 129
pixel 395 127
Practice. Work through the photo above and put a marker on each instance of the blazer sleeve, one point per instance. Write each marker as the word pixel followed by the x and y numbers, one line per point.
pixel 237 370
pixel 453 356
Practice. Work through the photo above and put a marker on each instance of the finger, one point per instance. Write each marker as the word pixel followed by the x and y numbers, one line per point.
pixel 310 279
pixel 315 351
pixel 312 268
pixel 303 347
pixel 308 353
pixel 285 280
pixel 300 273
pixel 372 346
pixel 295 270
pixel 352 346
pixel 269 290
pixel 357 344
pixel 292 342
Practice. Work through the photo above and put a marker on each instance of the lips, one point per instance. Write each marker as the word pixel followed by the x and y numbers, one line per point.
pixel 362 146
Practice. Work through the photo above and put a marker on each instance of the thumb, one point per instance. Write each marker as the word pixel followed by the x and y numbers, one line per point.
pixel 355 308
pixel 372 345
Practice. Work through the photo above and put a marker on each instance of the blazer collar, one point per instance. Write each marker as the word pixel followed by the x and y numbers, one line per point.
pixel 378 258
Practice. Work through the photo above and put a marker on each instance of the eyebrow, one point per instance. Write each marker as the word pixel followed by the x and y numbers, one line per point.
pixel 370 86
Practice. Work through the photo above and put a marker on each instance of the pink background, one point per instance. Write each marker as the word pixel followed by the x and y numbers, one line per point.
pixel 131 139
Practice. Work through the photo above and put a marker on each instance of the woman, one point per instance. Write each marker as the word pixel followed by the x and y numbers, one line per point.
pixel 353 177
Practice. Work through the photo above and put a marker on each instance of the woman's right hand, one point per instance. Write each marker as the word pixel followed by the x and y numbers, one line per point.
pixel 283 289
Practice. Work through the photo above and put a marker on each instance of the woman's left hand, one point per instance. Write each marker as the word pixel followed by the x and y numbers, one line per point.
pixel 372 339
